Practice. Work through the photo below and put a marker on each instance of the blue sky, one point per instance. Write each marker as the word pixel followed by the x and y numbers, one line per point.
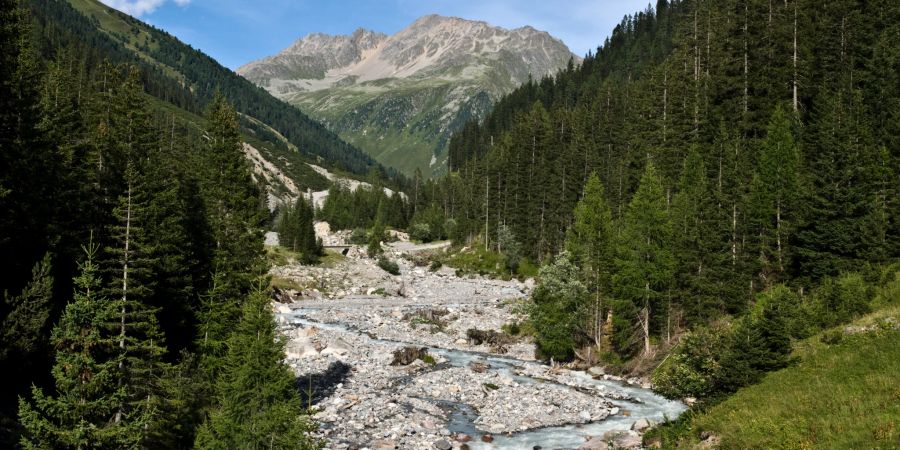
pixel 238 31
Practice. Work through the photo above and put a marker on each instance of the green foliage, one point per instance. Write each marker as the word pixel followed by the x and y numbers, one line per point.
pixel 644 261
pixel 692 370
pixel 295 231
pixel 362 208
pixel 420 232
pixel 814 403
pixel 839 300
pixel 555 302
pixel 86 410
pixel 258 404
pixel 376 237
pixel 388 266
pixel 23 331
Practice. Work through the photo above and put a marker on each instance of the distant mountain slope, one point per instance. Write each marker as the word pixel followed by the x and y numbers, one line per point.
pixel 178 74
pixel 400 97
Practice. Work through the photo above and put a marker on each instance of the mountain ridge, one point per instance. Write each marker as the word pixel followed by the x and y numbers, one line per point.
pixel 400 97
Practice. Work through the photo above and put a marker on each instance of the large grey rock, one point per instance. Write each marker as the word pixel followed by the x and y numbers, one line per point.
pixel 443 445
pixel 641 425
pixel 624 440
pixel 595 443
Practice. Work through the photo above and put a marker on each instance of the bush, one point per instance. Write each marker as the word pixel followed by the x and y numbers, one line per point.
pixel 435 266
pixel 389 266
pixel 556 301
pixel 420 232
pixel 359 237
pixel 693 366
pixel 840 300
pixel 511 329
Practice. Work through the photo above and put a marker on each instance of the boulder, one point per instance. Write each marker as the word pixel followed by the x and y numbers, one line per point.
pixel 487 438
pixel 384 444
pixel 443 445
pixel 641 425
pixel 479 366
pixel 594 443
pixel 406 355
pixel 596 371
pixel 624 440
pixel 300 348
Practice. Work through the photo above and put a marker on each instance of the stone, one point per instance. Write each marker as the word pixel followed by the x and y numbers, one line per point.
pixel 594 443
pixel 690 401
pixel 443 445
pixel 479 366
pixel 624 440
pixel 384 444
pixel 596 371
pixel 585 416
pixel 641 425
pixel 487 438
pixel 462 437
pixel 406 355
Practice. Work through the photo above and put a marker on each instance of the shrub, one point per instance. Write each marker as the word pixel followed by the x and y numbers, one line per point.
pixel 420 232
pixel 693 366
pixel 840 300
pixel 359 237
pixel 389 266
pixel 511 329
pixel 435 266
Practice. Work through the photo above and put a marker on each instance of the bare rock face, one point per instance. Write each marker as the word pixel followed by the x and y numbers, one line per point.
pixel 406 355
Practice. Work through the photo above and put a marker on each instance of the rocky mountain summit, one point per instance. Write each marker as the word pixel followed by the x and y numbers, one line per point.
pixel 400 97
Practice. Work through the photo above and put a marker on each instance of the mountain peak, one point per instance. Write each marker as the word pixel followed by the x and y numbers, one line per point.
pixel 439 70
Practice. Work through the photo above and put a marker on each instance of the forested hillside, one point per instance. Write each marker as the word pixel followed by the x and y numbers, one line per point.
pixel 706 153
pixel 176 73
pixel 134 310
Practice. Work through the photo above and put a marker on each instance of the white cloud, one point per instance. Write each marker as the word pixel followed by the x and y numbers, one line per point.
pixel 138 8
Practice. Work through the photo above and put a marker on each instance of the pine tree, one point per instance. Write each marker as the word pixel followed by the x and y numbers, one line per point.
pixel 231 198
pixel 87 378
pixel 590 242
pixel 644 260
pixel 838 233
pixel 296 231
pixel 773 208
pixel 258 403
pixel 23 332
pixel 697 244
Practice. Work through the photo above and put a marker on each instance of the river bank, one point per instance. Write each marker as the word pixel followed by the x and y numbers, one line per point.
pixel 341 342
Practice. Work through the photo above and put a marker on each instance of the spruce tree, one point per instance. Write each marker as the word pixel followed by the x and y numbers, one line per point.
pixel 590 242
pixel 258 405
pixel 89 392
pixel 23 332
pixel 644 259
pixel 774 192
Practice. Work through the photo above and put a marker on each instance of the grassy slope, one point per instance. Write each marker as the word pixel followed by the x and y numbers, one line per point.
pixel 282 154
pixel 839 396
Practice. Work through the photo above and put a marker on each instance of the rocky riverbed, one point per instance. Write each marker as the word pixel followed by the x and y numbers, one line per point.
pixel 472 390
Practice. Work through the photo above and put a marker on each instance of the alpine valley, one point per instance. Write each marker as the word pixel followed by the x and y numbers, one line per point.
pixel 401 97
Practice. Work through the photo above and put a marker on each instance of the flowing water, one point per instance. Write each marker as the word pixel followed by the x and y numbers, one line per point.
pixel 648 405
